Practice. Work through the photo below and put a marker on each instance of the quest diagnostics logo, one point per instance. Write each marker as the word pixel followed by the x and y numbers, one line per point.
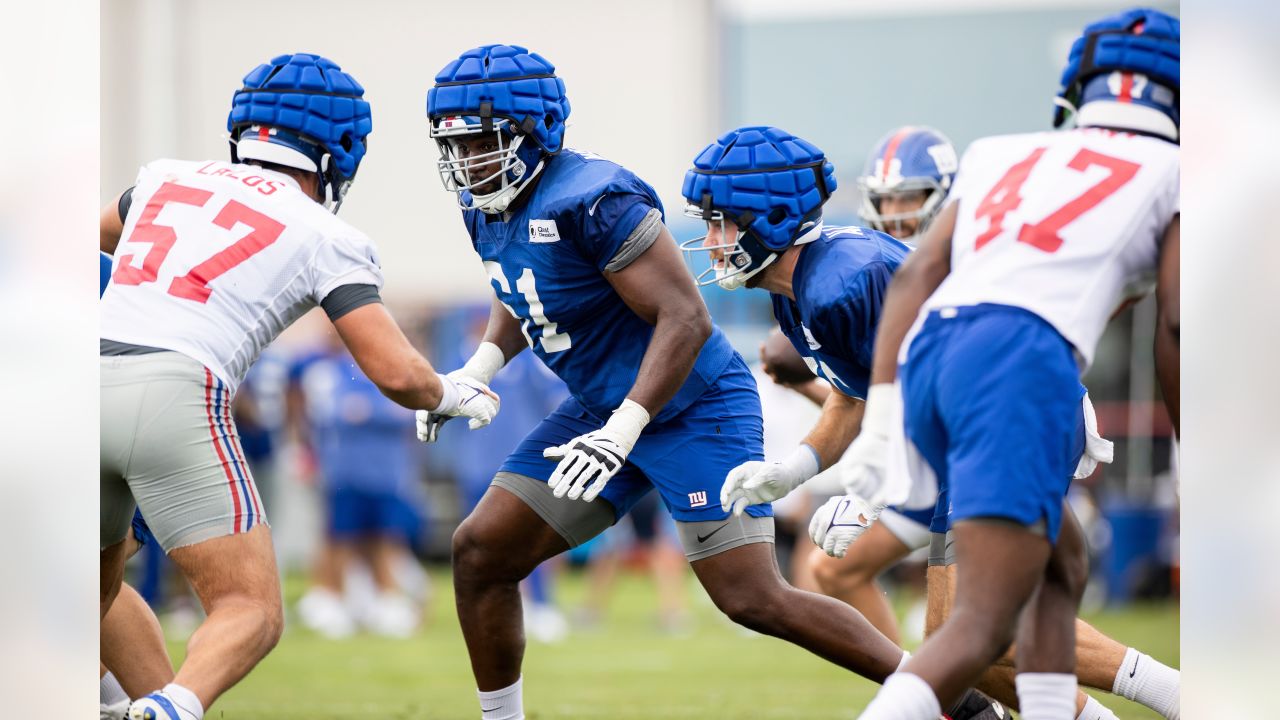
pixel 543 231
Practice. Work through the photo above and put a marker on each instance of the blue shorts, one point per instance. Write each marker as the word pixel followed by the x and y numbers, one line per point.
pixel 992 402
pixel 686 457
pixel 357 512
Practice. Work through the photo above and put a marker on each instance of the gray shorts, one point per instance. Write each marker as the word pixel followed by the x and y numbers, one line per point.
pixel 578 522
pixel 170 447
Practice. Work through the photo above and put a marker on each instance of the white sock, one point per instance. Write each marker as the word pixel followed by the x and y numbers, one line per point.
pixel 902 663
pixel 1146 680
pixel 110 690
pixel 903 697
pixel 1046 696
pixel 188 704
pixel 1094 710
pixel 504 704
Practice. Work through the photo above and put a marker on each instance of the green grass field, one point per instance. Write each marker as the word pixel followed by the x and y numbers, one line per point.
pixel 624 669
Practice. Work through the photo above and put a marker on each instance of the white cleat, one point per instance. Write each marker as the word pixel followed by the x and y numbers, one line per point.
pixel 156 706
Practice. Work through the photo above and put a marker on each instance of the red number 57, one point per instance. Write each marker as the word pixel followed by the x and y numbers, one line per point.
pixel 195 284
pixel 1004 198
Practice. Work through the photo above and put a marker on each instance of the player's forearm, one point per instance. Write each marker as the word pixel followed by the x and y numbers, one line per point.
pixel 816 391
pixel 504 331
pixel 387 358
pixel 841 419
pixel 407 380
pixel 678 337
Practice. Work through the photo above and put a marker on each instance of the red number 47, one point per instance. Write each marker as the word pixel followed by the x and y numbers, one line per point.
pixel 195 284
pixel 1004 198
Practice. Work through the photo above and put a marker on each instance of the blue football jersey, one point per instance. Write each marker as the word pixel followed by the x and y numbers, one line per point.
pixel 840 281
pixel 546 261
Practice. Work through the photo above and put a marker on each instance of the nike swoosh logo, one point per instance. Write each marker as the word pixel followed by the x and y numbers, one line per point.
pixel 704 538
pixel 1135 666
pixel 485 709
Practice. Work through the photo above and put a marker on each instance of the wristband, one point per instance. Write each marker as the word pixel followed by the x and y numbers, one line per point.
pixel 801 463
pixel 627 422
pixel 449 396
pixel 485 363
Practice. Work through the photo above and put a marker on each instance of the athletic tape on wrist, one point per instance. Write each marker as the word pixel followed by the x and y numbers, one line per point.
pixel 487 360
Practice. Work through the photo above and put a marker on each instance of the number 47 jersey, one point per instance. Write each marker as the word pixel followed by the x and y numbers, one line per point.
pixel 216 259
pixel 1064 224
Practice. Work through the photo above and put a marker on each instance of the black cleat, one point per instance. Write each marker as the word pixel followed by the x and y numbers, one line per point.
pixel 976 706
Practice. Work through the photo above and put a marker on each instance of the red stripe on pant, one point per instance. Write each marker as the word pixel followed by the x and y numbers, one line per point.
pixel 217 446
pixel 239 456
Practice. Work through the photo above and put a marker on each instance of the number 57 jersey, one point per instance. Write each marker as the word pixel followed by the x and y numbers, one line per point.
pixel 216 259
pixel 1064 224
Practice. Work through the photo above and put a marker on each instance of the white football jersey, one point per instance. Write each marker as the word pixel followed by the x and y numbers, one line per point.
pixel 1065 224
pixel 216 259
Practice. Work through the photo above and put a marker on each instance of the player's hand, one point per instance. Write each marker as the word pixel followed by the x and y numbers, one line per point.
pixel 587 462
pixel 863 471
pixel 754 482
pixel 840 521
pixel 463 397
pixel 429 423
pixel 483 365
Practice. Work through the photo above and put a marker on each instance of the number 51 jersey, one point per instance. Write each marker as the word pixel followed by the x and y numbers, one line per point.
pixel 546 261
pixel 1064 224
pixel 216 259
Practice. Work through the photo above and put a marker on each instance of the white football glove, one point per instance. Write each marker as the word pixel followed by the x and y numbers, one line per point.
pixel 463 397
pixel 1097 449
pixel 754 482
pixel 863 471
pixel 596 456
pixel 483 365
pixel 840 521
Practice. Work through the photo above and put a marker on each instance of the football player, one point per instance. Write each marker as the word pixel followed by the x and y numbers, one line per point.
pixel 906 178
pixel 212 260
pixel 827 288
pixel 1042 239
pixel 586 274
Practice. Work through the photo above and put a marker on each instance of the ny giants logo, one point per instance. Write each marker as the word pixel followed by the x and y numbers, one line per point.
pixel 697 499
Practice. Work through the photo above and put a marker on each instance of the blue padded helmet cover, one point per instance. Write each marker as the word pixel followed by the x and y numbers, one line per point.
pixel 768 181
pixel 311 96
pixel 1141 40
pixel 504 81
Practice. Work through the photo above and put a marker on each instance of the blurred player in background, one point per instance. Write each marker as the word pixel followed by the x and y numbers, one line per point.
pixel 374 504
pixel 586 274
pixel 1044 236
pixel 213 259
